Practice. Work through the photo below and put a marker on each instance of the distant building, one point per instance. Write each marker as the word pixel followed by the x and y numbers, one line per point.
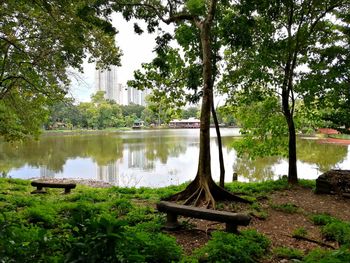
pixel 107 81
pixel 189 123
pixel 136 96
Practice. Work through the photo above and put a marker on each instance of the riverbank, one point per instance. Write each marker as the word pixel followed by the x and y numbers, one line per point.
pixel 113 224
pixel 83 131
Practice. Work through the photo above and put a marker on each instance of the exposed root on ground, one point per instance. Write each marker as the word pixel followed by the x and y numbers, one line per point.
pixel 205 193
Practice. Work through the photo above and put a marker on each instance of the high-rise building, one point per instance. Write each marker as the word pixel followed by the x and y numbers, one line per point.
pixel 106 80
pixel 136 96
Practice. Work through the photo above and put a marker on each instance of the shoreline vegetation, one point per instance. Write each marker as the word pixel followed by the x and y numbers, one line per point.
pixel 114 224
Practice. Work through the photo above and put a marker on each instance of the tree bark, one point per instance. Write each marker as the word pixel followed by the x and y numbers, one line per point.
pixel 292 153
pixel 203 190
pixel 221 157
pixel 292 168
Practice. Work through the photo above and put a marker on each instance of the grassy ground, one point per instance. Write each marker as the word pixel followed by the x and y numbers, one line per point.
pixel 121 225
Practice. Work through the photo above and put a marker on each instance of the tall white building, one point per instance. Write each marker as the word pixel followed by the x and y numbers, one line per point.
pixel 136 96
pixel 107 81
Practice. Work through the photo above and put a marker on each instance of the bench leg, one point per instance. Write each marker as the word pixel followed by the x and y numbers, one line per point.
pixel 171 223
pixel 66 190
pixel 38 190
pixel 231 228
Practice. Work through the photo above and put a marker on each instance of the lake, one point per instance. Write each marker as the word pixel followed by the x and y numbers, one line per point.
pixel 154 158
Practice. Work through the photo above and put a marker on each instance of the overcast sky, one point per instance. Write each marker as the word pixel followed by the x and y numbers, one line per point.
pixel 137 49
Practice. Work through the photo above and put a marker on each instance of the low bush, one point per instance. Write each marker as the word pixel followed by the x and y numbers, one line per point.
pixel 247 247
pixel 285 208
pixel 337 231
pixel 328 256
pixel 323 219
pixel 288 253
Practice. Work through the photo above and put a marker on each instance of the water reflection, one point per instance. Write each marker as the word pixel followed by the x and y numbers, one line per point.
pixel 153 158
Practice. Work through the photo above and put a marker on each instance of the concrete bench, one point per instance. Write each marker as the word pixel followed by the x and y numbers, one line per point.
pixel 232 220
pixel 40 185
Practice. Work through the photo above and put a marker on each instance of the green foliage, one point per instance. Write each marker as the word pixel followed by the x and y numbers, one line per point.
pixel 196 7
pixel 249 246
pixel 288 253
pixel 262 127
pixel 326 256
pixel 323 219
pixel 299 232
pixel 337 231
pixel 286 208
pixel 257 189
pixel 39 43
pixel 89 225
pixel 40 215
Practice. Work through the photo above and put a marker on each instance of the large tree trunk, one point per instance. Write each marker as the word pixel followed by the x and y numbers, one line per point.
pixel 203 190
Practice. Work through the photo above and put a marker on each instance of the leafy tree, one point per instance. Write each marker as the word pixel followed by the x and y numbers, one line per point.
pixel 191 112
pixel 64 111
pixel 281 38
pixel 198 14
pixel 39 42
pixel 131 109
pixel 328 85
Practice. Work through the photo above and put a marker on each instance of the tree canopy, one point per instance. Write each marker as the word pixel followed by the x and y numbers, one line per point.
pixel 39 42
pixel 278 53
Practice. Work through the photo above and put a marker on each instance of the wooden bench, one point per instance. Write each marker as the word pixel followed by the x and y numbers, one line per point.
pixel 232 220
pixel 40 185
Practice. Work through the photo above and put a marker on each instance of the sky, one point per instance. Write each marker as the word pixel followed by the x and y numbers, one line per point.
pixel 137 49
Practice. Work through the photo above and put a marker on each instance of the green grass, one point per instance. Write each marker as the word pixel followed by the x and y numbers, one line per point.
pixel 120 223
pixel 288 208
pixel 288 253
pixel 340 136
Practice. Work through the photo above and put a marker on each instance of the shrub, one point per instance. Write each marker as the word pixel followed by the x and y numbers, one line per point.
pixel 323 219
pixel 286 208
pixel 288 253
pixel 41 215
pixel 299 232
pixel 21 243
pixel 246 247
pixel 122 205
pixel 328 256
pixel 117 243
pixel 338 231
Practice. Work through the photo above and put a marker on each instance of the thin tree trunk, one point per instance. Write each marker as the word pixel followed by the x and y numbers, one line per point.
pixel 292 153
pixel 292 169
pixel 221 157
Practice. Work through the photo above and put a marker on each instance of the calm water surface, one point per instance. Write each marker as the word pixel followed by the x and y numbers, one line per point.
pixel 154 158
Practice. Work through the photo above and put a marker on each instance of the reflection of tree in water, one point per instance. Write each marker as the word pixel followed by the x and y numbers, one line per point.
pixel 54 151
pixel 158 147
pixel 259 169
pixel 324 155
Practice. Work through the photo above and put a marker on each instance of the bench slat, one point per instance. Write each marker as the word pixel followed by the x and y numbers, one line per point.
pixel 208 214
pixel 53 185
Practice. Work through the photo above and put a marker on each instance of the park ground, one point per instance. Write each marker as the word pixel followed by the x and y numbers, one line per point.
pixel 299 225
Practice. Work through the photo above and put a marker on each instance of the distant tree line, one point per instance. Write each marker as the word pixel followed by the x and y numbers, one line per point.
pixel 102 113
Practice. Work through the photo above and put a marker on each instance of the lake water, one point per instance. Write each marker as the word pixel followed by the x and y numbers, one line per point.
pixel 154 158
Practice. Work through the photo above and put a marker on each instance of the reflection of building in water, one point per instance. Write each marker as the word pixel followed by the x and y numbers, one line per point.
pixel 45 172
pixel 137 159
pixel 109 173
